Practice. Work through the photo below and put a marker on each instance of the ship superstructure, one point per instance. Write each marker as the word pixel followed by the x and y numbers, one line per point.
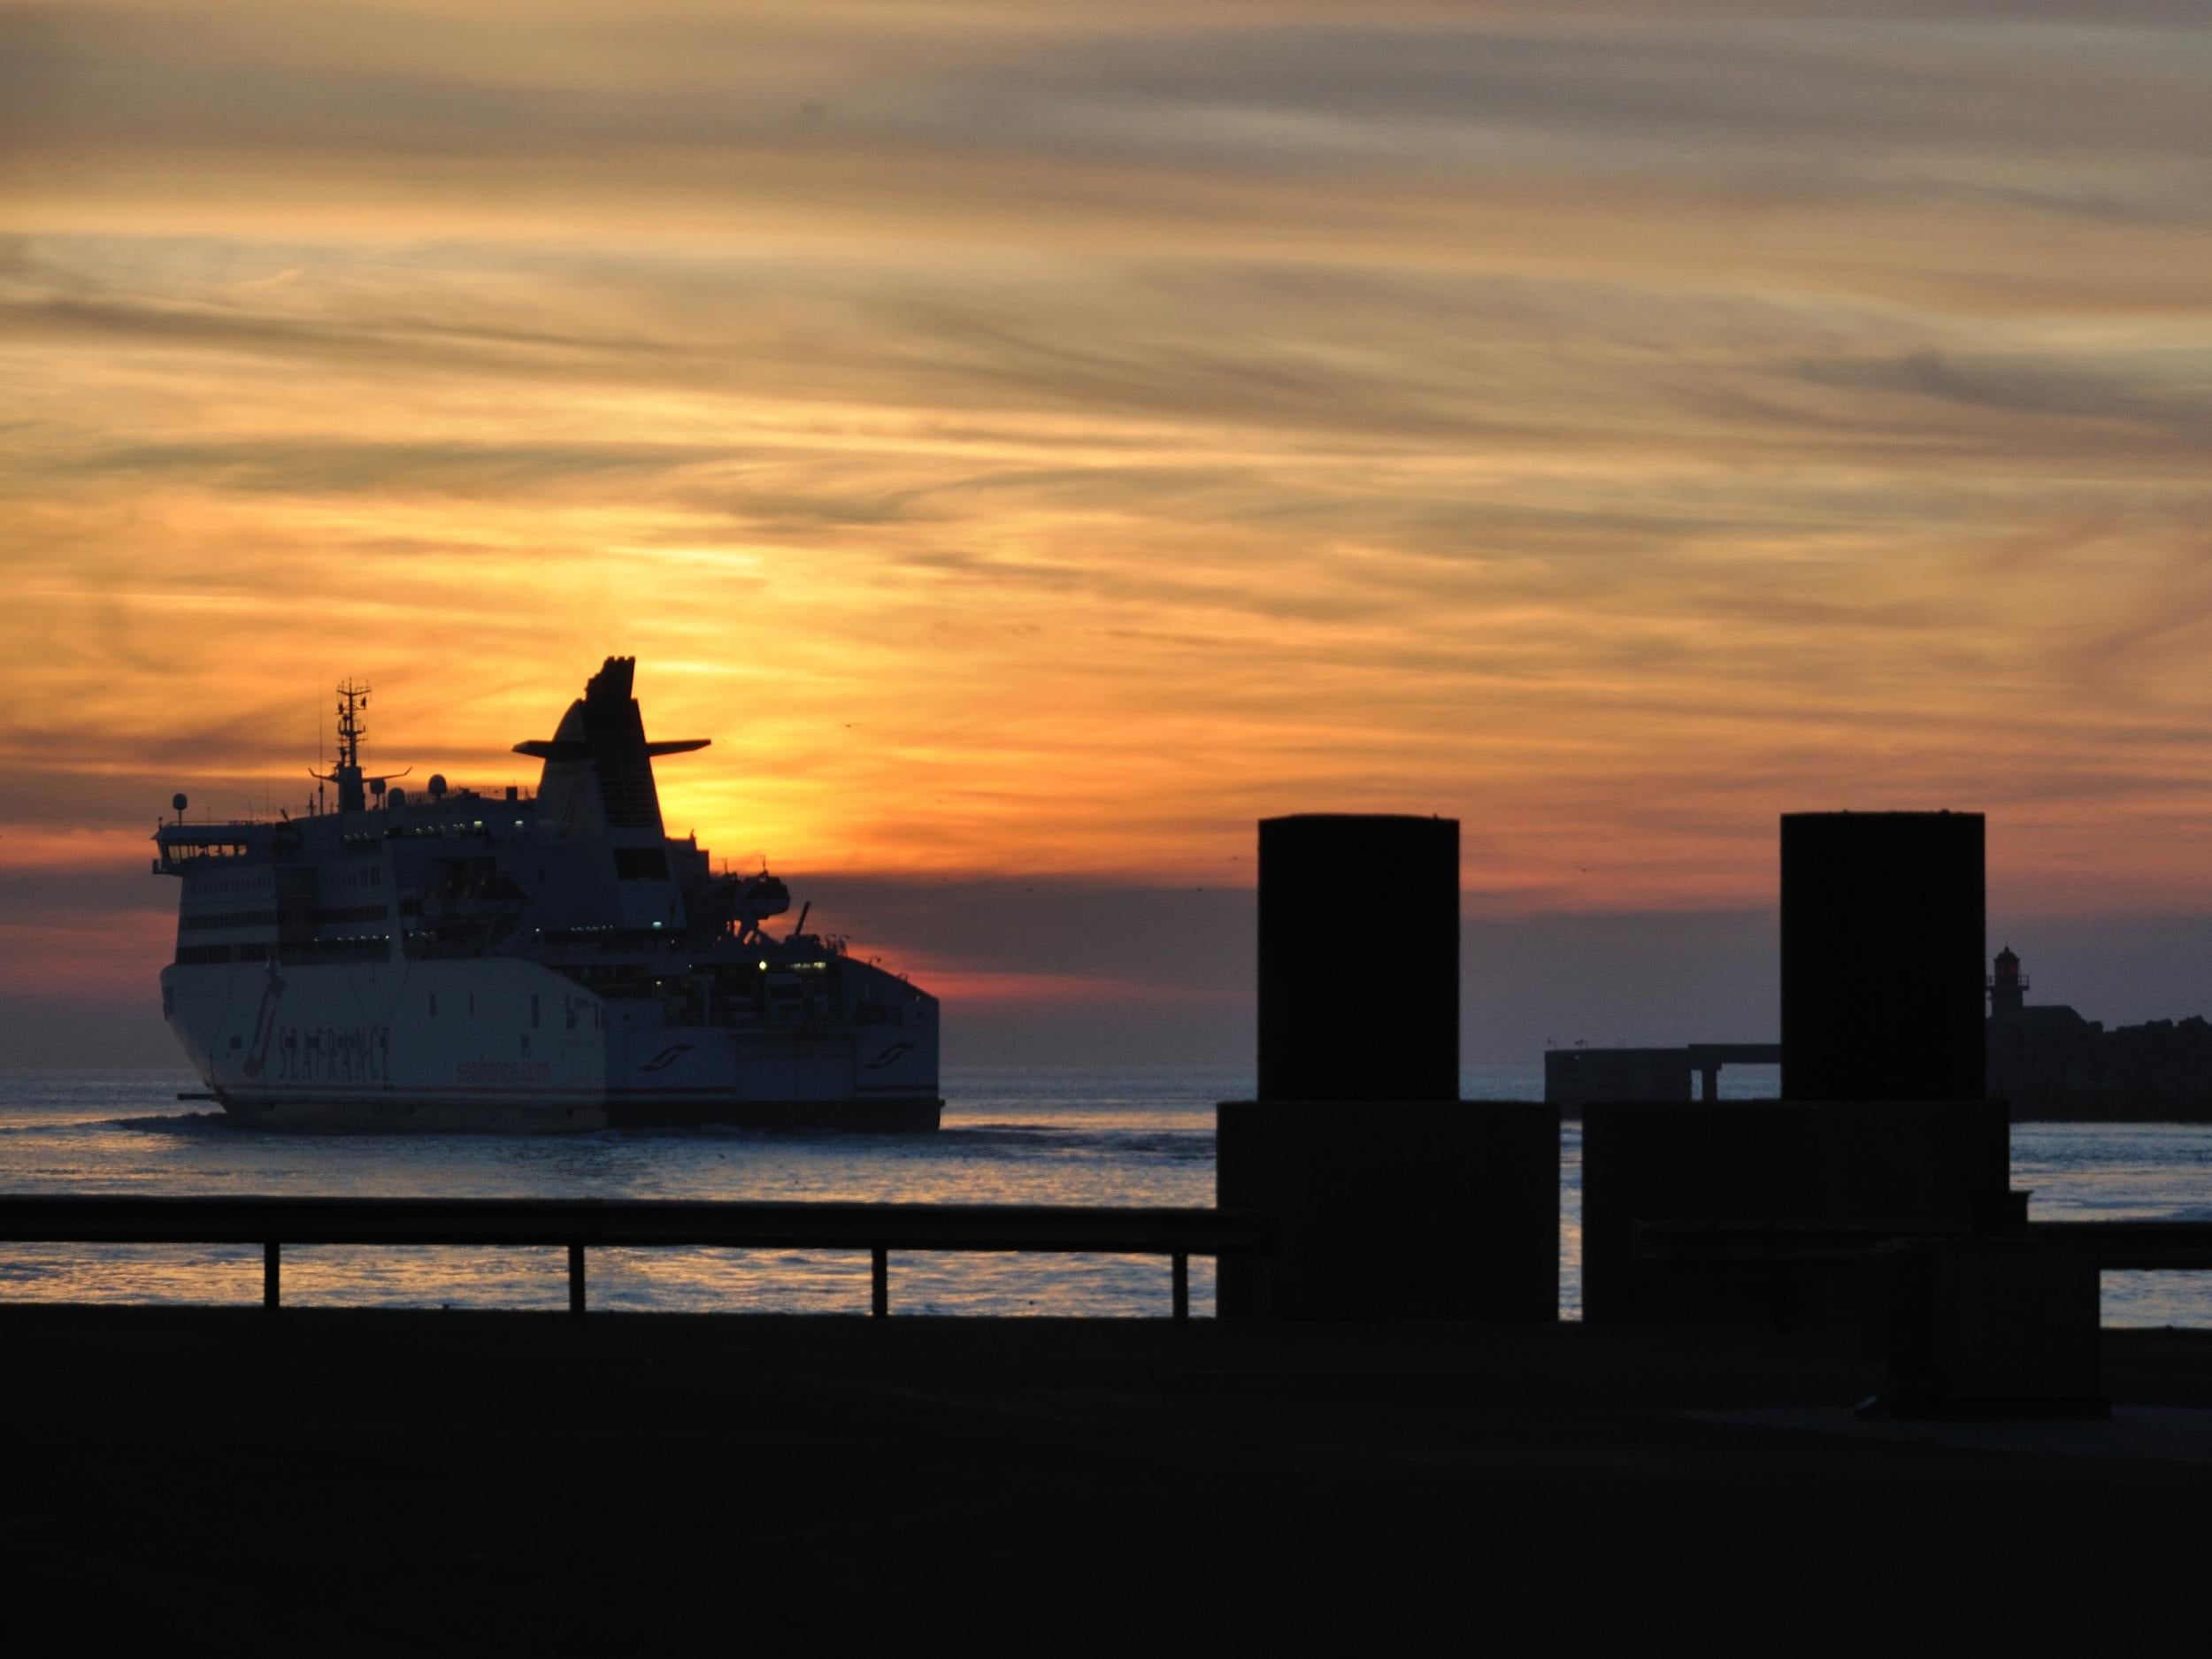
pixel 444 959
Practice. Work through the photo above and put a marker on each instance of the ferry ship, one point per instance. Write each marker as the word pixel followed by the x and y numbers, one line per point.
pixel 444 959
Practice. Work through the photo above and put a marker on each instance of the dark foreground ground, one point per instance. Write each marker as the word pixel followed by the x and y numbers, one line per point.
pixel 318 1482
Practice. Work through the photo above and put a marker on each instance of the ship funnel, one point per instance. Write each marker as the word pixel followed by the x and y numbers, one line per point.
pixel 599 750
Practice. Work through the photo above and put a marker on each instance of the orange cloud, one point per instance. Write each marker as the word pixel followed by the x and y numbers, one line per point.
pixel 1026 447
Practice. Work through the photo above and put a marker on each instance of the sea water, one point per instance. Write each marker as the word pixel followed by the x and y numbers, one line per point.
pixel 1026 1136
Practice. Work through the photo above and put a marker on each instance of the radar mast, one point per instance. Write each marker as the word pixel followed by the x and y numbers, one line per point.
pixel 351 700
pixel 353 786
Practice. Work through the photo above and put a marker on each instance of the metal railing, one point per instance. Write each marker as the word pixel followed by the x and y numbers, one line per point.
pixel 579 1223
pixel 2120 1246
pixel 2134 1245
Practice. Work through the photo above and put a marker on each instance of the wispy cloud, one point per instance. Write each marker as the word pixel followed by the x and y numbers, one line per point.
pixel 1043 444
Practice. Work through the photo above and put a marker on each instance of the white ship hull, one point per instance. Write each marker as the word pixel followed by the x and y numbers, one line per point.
pixel 504 961
pixel 509 1045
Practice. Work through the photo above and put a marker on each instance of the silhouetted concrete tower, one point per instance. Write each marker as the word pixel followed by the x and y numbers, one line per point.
pixel 1882 954
pixel 1352 1014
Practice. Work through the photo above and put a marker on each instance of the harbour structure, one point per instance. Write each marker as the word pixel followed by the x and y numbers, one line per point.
pixel 1884 1141
pixel 1392 1198
pixel 2046 1060
pixel 449 959
pixel 2053 1064
pixel 1864 1017
pixel 1573 1076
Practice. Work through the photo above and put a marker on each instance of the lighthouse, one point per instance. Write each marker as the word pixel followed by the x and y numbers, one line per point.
pixel 2006 986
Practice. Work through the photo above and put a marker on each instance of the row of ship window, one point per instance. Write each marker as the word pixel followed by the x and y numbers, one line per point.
pixel 373 948
pixel 327 917
pixel 597 1018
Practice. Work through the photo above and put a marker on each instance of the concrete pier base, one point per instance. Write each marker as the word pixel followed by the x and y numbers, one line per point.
pixel 1986 1327
pixel 1791 1164
pixel 1394 1210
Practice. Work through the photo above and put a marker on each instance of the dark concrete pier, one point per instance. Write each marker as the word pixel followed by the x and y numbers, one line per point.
pixel 1910 1166
pixel 1393 1197
pixel 1882 1125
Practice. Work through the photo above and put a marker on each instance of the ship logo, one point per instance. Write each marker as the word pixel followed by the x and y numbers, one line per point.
pixel 888 1056
pixel 666 1058
pixel 265 1020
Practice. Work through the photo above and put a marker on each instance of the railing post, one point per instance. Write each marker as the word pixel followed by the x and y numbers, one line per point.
pixel 880 1282
pixel 576 1278
pixel 271 1253
pixel 1182 1287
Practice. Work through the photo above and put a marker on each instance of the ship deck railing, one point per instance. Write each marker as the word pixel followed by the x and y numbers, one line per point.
pixel 582 1224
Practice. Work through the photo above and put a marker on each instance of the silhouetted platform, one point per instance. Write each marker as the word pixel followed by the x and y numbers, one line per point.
pixel 1573 1077
pixel 351 1482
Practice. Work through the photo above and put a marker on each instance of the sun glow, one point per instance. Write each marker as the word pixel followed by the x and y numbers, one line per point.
pixel 1026 446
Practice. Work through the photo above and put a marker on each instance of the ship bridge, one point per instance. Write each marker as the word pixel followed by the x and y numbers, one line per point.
pixel 180 846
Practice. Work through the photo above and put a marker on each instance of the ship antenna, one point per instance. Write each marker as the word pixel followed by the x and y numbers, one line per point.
pixel 346 775
pixel 350 731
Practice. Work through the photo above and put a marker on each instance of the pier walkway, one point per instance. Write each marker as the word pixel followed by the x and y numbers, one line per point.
pixel 364 1482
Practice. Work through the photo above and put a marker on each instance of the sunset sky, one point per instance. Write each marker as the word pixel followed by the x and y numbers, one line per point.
pixel 1034 446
